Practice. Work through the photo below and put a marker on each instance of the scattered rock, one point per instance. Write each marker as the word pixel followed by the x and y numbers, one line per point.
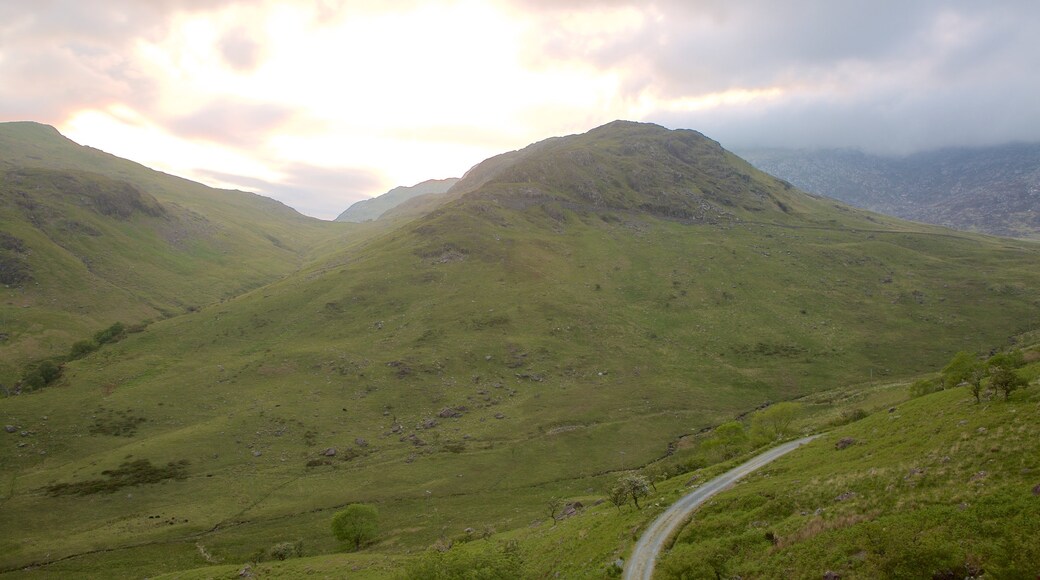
pixel 379 325
pixel 499 416
pixel 831 575
pixel 569 510
pixel 469 531
pixel 488 357
pixel 24 434
pixel 361 442
pixel 891 409
pixel 1036 489
pixel 246 572
pixel 414 440
pixel 429 423
pixel 450 413
pixel 978 476
pixel 10 428
pixel 257 453
pixel 329 452
pixel 692 480
pixel 846 495
pixel 844 442
pixel 945 459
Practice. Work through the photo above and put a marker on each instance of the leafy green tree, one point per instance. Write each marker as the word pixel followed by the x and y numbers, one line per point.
pixel 774 422
pixel 965 367
pixel 357 524
pixel 1006 380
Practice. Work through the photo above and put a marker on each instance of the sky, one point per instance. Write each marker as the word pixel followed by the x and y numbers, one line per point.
pixel 320 103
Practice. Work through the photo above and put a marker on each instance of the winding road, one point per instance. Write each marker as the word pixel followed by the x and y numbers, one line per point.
pixel 640 564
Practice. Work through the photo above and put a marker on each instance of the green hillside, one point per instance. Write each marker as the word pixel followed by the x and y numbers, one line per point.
pixel 575 308
pixel 90 239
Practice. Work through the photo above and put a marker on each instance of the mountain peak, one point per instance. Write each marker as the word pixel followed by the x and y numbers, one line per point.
pixel 625 165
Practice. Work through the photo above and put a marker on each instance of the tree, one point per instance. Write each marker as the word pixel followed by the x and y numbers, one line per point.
pixel 1006 380
pixel 554 504
pixel 775 420
pixel 618 496
pixel 632 486
pixel 357 523
pixel 964 367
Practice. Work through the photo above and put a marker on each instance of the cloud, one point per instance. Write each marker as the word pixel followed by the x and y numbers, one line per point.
pixel 67 55
pixel 322 192
pixel 241 49
pixel 919 74
pixel 232 122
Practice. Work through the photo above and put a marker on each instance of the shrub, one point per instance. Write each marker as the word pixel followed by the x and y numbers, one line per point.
pixel 82 348
pixel 113 333
pixel 286 550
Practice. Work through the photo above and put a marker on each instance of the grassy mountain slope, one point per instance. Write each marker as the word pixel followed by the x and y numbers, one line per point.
pixel 987 189
pixel 89 239
pixel 575 308
pixel 941 487
pixel 371 209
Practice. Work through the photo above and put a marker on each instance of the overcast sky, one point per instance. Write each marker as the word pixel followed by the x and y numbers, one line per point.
pixel 321 103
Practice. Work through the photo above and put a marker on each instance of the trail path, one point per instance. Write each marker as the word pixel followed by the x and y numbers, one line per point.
pixel 640 565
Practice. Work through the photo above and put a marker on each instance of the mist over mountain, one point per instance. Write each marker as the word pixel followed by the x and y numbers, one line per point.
pixel 995 190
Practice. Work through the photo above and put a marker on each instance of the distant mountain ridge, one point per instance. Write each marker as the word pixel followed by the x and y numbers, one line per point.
pixel 994 190
pixel 371 209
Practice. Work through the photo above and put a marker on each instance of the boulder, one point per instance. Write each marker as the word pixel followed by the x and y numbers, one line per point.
pixel 844 442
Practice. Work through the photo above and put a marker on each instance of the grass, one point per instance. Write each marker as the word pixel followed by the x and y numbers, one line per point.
pixel 582 340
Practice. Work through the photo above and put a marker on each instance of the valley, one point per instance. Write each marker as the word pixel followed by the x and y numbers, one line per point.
pixel 587 306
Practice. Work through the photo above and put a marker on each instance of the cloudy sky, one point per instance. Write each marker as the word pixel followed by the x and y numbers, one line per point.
pixel 320 103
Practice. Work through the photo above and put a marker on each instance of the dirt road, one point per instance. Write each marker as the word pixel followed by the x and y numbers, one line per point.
pixel 640 565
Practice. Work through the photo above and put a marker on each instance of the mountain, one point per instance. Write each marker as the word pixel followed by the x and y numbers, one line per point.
pixel 994 190
pixel 371 209
pixel 569 311
pixel 89 239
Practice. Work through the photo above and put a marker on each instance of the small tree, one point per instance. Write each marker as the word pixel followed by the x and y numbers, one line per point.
pixel 357 523
pixel 774 421
pixel 554 504
pixel 634 486
pixel 1006 380
pixel 618 496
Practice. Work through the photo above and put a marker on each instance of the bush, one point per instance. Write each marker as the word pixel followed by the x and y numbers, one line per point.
pixel 40 375
pixel 82 348
pixel 286 550
pixel 356 524
pixel 113 333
